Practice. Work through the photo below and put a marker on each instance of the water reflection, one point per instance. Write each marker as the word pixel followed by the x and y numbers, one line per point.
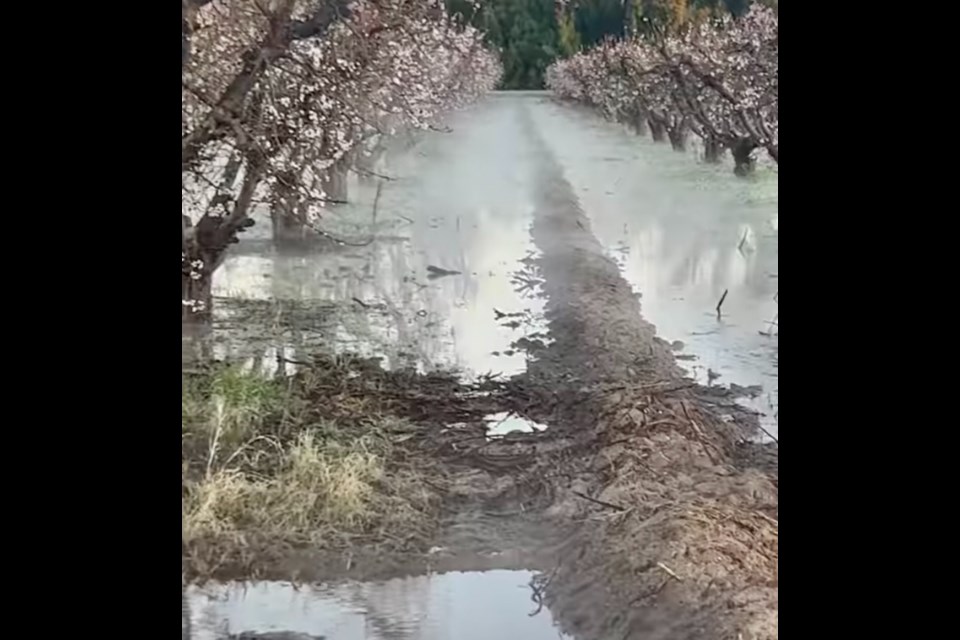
pixel 461 605
pixel 445 209
pixel 683 233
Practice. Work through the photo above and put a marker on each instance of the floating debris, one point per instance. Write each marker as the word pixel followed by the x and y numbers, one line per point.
pixel 438 272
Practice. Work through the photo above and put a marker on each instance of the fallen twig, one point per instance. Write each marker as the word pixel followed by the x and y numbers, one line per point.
pixel 376 201
pixel 371 173
pixel 602 503
pixel 772 521
pixel 669 571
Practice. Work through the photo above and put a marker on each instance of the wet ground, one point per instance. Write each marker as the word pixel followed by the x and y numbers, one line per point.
pixel 683 234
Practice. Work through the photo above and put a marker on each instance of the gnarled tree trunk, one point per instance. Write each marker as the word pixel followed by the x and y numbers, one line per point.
pixel 743 162
pixel 334 181
pixel 678 135
pixel 286 216
pixel 639 123
pixel 712 150
pixel 658 130
pixel 368 160
pixel 204 246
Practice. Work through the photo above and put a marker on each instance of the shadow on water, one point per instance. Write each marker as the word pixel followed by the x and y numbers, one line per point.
pixel 683 233
pixel 462 605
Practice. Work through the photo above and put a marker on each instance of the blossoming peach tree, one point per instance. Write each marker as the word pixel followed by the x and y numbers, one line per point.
pixel 281 97
pixel 718 78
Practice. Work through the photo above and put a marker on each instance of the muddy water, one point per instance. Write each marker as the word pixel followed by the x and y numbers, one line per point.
pixel 460 605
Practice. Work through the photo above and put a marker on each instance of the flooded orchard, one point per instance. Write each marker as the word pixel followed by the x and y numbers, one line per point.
pixel 540 289
pixel 682 232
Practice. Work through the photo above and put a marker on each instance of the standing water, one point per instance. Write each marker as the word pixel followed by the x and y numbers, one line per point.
pixel 449 606
pixel 686 235
pixel 683 232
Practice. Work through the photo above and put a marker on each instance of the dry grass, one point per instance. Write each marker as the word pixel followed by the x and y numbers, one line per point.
pixel 262 474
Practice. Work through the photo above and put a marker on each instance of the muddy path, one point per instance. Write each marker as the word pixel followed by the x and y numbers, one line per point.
pixel 645 502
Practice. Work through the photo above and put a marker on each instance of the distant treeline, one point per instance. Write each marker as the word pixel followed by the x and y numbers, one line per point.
pixel 530 34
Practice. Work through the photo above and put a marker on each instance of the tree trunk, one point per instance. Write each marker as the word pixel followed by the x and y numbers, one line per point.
pixel 367 162
pixel 712 150
pixel 678 136
pixel 744 163
pixel 335 182
pixel 289 229
pixel 657 130
pixel 639 123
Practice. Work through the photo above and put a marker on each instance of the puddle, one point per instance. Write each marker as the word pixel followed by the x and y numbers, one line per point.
pixel 500 424
pixel 451 606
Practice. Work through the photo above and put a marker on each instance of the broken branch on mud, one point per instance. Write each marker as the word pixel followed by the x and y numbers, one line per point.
pixel 669 571
pixel 602 503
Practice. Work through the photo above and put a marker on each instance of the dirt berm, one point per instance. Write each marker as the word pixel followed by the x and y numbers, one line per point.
pixel 676 514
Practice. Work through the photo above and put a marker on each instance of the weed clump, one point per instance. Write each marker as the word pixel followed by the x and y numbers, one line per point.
pixel 263 473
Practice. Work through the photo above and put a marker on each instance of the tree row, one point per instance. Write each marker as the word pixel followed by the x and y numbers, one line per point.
pixel 716 78
pixel 281 98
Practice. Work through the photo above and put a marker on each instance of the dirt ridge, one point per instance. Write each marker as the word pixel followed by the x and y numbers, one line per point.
pixel 677 537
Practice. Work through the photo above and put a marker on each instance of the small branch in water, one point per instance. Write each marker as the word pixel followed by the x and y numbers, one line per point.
pixel 376 201
pixel 439 272
pixel 538 584
pixel 361 303
pixel 770 435
pixel 742 240
pixel 720 304
pixel 367 172
pixel 608 505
